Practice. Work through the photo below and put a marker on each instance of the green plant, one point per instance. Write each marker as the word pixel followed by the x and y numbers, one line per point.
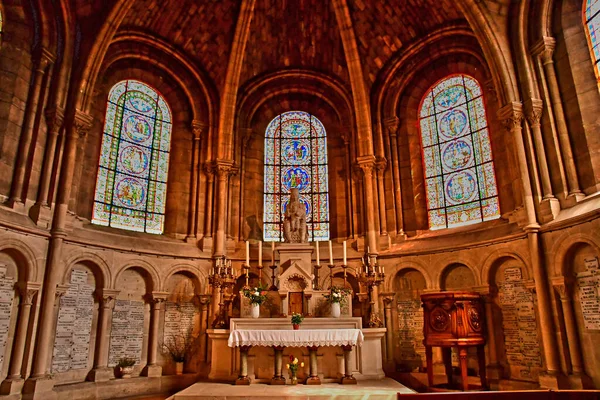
pixel 180 346
pixel 297 318
pixel 337 295
pixel 125 362
pixel 257 295
pixel 293 364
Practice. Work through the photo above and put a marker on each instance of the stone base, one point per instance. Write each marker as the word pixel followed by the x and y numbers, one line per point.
pixel 206 243
pixel 573 199
pixel 278 381
pixel 15 205
pixel 12 386
pixel 348 380
pixel 549 209
pixel 101 374
pixel 494 372
pixel 552 381
pixel 579 381
pixel 242 380
pixel 313 381
pixel 191 239
pixel 39 388
pixel 152 371
pixel 41 215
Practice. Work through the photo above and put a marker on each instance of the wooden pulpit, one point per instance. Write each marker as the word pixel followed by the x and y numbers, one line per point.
pixel 454 319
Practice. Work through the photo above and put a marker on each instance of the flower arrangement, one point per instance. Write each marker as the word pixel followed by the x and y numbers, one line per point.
pixel 125 362
pixel 257 295
pixel 293 365
pixel 180 346
pixel 337 295
pixel 297 318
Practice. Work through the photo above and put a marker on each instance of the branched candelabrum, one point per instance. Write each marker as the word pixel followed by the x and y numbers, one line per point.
pixel 222 279
pixel 371 275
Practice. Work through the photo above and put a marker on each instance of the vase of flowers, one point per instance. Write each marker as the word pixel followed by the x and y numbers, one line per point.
pixel 293 367
pixel 125 367
pixel 297 320
pixel 337 298
pixel 180 347
pixel 257 296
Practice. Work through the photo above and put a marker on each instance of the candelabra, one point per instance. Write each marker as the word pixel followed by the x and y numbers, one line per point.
pixel 222 279
pixel 371 276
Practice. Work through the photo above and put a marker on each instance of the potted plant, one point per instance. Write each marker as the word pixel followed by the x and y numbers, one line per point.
pixel 297 320
pixel 125 366
pixel 180 347
pixel 257 296
pixel 293 367
pixel 337 298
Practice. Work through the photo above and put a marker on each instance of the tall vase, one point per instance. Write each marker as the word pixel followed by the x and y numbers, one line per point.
pixel 335 310
pixel 254 310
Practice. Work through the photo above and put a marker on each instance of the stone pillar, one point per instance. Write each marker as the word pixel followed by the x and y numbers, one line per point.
pixel 41 62
pixel 101 371
pixel 494 369
pixel 247 139
pixel 348 379
pixel 80 156
pixel 351 193
pixel 533 109
pixel 380 168
pixel 545 50
pixel 152 369
pixel 392 127
pixel 14 381
pixel 197 128
pixel 204 301
pixel 313 378
pixel 208 216
pixel 224 169
pixel 388 300
pixel 278 378
pixel 243 376
pixel 367 164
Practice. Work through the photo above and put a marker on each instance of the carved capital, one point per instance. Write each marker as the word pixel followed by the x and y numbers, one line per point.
pixel 544 49
pixel 224 169
pixel 381 164
pixel 209 170
pixel 366 165
pixel 198 127
pixel 533 110
pixel 204 299
pixel 391 125
pixel 54 119
pixel 511 116
pixel 82 123
pixel 107 297
pixel 388 299
pixel 562 287
pixel 157 298
pixel 27 291
pixel 487 292
pixel 44 57
pixel 60 291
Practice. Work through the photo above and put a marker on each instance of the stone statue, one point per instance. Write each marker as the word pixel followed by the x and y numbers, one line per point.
pixel 294 220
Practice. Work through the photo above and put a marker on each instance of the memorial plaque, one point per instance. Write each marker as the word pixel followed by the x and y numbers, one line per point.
pixel 179 319
pixel 127 334
pixel 410 330
pixel 7 293
pixel 521 340
pixel 588 285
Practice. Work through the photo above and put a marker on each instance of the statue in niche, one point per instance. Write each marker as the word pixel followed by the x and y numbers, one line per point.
pixel 256 232
pixel 294 220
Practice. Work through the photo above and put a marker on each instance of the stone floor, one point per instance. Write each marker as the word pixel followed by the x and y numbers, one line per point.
pixel 369 389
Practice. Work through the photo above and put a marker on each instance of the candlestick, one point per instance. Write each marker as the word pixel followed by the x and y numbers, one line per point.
pixel 260 253
pixel 318 258
pixel 344 253
pixel 330 254
pixel 247 252
pixel 273 253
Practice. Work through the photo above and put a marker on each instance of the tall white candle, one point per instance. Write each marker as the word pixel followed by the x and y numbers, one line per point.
pixel 318 258
pixel 272 253
pixel 260 253
pixel 344 252
pixel 330 254
pixel 247 252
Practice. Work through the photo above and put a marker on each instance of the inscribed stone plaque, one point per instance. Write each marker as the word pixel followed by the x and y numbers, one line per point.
pixel 179 319
pixel 410 330
pixel 74 325
pixel 521 340
pixel 127 334
pixel 6 298
pixel 588 285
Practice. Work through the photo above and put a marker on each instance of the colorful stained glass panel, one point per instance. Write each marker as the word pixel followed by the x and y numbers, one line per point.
pixel 592 24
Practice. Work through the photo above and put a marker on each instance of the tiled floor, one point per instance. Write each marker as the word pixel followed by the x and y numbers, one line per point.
pixel 372 389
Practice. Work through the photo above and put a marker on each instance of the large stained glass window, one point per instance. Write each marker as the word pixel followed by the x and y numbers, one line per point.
pixel 459 170
pixel 591 16
pixel 131 187
pixel 296 157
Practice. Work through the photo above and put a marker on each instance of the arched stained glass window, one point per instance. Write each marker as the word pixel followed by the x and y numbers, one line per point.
pixel 131 187
pixel 459 170
pixel 296 157
pixel 592 23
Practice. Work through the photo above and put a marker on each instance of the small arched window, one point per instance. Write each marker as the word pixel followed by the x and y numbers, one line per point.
pixel 591 19
pixel 131 187
pixel 296 157
pixel 460 182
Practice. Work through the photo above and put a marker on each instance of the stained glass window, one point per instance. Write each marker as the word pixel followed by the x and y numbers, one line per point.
pixel 592 23
pixel 459 170
pixel 296 157
pixel 131 187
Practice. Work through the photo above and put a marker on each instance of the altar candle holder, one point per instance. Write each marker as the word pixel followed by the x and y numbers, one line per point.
pixel 344 267
pixel 371 276
pixel 331 266
pixel 273 268
pixel 316 285
pixel 246 271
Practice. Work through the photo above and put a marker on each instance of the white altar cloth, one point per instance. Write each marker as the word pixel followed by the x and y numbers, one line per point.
pixel 296 338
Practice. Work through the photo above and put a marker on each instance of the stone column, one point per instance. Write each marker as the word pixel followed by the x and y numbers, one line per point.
pixel 533 109
pixel 247 140
pixel 204 301
pixel 14 381
pixel 243 376
pixel 348 379
pixel 197 128
pixel 101 371
pixel 313 378
pixel 494 369
pixel 278 378
pixel 80 156
pixel 392 127
pixel 351 195
pixel 545 50
pixel 209 170
pixel 152 369
pixel 388 300
pixel 367 164
pixel 223 169
pixel 41 62
pixel 380 168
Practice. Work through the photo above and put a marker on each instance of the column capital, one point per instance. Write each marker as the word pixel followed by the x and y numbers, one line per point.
pixel 544 49
pixel 388 298
pixel 381 164
pixel 486 291
pixel 562 286
pixel 82 123
pixel 224 169
pixel 27 290
pixel 158 297
pixel 204 299
pixel 106 297
pixel 533 110
pixel 198 127
pixel 44 57
pixel 530 285
pixel 391 125
pixel 366 164
pixel 55 117
pixel 60 291
pixel 511 115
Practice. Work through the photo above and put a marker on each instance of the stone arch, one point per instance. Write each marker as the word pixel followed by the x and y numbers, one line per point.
pixel 194 273
pixel 404 271
pixel 495 259
pixel 413 264
pixel 151 278
pixel 26 261
pixel 453 266
pixel 562 248
pixel 95 263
